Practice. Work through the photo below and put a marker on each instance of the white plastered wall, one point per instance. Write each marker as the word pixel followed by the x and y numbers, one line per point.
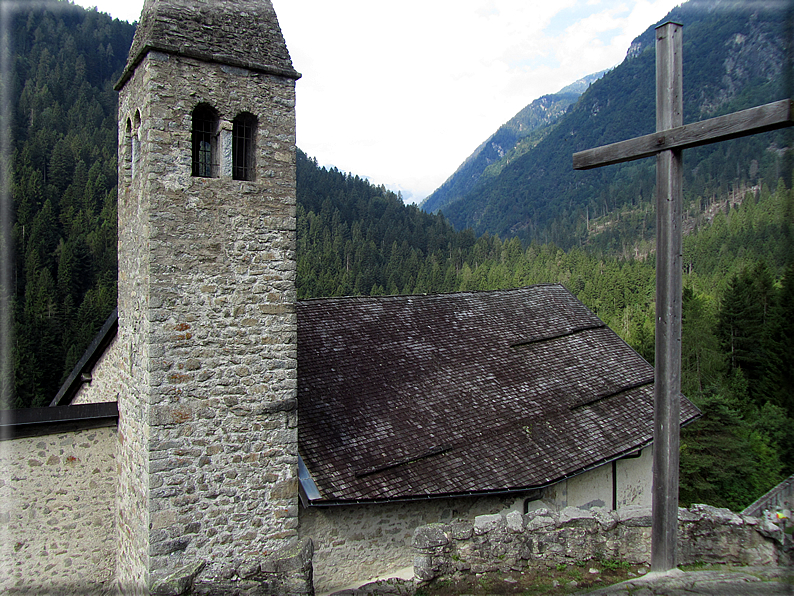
pixel 632 478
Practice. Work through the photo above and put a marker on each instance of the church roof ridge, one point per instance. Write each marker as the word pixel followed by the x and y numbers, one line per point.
pixel 243 33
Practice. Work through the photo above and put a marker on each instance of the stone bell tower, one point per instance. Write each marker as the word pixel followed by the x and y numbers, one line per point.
pixel 207 421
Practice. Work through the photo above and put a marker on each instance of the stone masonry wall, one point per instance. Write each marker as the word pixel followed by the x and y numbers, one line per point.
pixel 57 513
pixel 545 538
pixel 106 378
pixel 207 326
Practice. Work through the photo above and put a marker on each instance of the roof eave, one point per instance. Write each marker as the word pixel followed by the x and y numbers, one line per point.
pixel 288 73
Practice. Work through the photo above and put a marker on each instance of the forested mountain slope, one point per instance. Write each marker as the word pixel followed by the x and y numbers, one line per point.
pixel 734 58
pixel 355 238
pixel 514 138
pixel 63 158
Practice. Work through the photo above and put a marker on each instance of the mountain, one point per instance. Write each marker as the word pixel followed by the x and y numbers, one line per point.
pixel 734 58
pixel 514 138
pixel 62 117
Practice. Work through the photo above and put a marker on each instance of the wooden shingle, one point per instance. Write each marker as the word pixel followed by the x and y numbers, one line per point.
pixel 475 392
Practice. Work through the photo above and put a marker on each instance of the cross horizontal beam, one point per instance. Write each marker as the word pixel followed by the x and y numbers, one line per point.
pixel 771 116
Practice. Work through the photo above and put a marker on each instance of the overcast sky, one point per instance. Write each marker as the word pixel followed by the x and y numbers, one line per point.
pixel 401 92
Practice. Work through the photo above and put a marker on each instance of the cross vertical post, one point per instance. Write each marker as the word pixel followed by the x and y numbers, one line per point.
pixel 667 143
pixel 667 385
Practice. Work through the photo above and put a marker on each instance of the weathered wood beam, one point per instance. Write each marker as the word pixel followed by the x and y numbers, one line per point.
pixel 771 116
pixel 667 374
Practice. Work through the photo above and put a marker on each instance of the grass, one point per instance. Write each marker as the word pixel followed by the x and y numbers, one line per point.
pixel 555 580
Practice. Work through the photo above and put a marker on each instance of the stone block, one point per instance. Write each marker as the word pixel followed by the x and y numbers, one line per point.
pixel 461 530
pixel 572 516
pixel 285 490
pixel 515 522
pixel 540 521
pixel 635 516
pixel 430 536
pixel 166 547
pixel 178 583
pixel 488 523
pixel 423 568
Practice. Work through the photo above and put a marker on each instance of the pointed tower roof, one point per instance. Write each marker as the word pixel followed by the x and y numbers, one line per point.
pixel 241 33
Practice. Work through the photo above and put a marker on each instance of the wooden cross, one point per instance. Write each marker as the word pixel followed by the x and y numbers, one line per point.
pixel 667 143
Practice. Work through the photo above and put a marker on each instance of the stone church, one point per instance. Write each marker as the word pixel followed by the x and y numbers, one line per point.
pixel 220 435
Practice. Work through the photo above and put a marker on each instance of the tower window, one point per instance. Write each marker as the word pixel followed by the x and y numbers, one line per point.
pixel 129 151
pixel 243 133
pixel 205 142
pixel 135 142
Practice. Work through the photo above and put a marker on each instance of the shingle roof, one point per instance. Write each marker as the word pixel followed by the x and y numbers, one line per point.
pixel 413 396
pixel 242 33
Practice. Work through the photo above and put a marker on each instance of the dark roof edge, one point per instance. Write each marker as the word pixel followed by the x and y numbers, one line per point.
pixel 33 422
pixel 90 357
pixel 289 73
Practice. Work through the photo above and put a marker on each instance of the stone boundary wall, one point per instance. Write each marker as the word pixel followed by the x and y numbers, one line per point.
pixel 515 542
pixel 287 572
pixel 777 497
pixel 57 513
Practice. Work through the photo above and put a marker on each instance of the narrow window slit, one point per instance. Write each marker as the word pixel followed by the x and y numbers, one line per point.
pixel 243 137
pixel 205 142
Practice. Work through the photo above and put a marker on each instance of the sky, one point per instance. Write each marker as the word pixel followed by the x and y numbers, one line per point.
pixel 401 92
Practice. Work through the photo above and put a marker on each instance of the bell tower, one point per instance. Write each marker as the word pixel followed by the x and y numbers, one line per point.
pixel 207 421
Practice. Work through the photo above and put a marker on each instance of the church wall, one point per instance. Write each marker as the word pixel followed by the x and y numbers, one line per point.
pixel 361 542
pixel 635 480
pixel 355 543
pixel 58 512
pixel 632 478
pixel 106 378
pixel 206 314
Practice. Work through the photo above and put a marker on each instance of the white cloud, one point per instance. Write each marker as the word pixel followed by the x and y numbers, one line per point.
pixel 402 92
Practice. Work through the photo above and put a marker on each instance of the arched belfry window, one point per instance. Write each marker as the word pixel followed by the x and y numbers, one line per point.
pixel 205 142
pixel 243 137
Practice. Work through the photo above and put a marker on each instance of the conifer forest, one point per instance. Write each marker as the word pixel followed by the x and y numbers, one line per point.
pixel 357 238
